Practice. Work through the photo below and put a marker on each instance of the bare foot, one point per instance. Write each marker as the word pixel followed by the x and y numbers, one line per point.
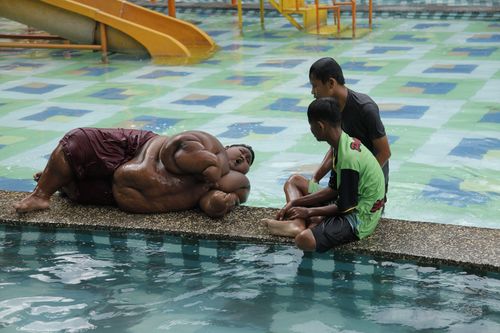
pixel 36 176
pixel 31 203
pixel 282 228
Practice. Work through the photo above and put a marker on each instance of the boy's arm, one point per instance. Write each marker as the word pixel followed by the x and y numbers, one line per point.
pixel 305 212
pixel 313 199
pixel 383 150
pixel 325 167
pixel 376 132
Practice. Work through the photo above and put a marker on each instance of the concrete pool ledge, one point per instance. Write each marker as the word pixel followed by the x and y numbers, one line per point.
pixel 423 242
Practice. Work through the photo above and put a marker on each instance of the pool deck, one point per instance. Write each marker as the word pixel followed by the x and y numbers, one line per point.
pixel 423 242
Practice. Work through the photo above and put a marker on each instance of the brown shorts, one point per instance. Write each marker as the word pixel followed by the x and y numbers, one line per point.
pixel 94 154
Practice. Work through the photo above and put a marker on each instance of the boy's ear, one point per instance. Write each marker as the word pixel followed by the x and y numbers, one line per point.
pixel 321 125
pixel 332 82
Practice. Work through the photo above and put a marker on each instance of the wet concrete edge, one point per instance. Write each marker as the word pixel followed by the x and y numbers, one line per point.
pixel 423 242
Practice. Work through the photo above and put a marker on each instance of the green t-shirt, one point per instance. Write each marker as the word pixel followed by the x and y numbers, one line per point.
pixel 359 180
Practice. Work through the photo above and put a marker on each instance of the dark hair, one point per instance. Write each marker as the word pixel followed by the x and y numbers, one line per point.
pixel 247 147
pixel 324 109
pixel 326 68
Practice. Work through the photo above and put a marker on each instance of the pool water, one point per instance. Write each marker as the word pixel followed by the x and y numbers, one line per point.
pixel 72 281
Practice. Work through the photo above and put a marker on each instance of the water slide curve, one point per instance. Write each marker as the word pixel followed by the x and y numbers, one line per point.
pixel 130 28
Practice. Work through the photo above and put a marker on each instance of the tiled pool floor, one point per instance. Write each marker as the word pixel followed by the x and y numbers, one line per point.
pixel 437 84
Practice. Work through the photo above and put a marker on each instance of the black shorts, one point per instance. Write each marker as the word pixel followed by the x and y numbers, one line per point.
pixel 333 231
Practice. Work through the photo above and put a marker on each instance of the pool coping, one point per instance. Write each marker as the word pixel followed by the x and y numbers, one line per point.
pixel 424 242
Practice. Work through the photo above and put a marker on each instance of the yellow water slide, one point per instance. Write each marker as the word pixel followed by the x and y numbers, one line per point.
pixel 130 28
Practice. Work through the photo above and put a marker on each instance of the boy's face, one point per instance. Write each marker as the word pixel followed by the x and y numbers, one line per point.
pixel 239 158
pixel 316 130
pixel 320 89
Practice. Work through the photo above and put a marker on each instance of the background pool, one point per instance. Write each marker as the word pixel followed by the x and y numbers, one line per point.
pixel 436 82
pixel 129 282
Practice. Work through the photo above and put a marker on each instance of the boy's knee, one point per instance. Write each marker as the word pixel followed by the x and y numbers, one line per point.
pixel 297 181
pixel 306 241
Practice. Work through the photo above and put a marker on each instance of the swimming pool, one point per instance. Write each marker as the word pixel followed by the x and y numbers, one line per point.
pixel 435 81
pixel 72 281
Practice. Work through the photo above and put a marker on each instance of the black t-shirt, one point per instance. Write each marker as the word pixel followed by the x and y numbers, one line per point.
pixel 361 120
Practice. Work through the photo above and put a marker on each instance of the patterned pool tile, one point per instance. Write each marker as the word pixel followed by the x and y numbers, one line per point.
pixel 460 149
pixel 242 130
pixel 92 71
pixel 422 87
pixel 52 112
pixel 175 77
pixel 475 39
pixel 421 112
pixel 151 123
pixel 265 64
pixel 432 26
pixel 288 105
pixel 484 38
pixel 451 69
pixel 388 51
pixel 27 67
pixel 36 88
pixel 403 111
pixel 488 92
pixel 249 48
pixel 34 158
pixel 491 117
pixel 116 93
pixel 266 134
pixel 58 116
pixel 472 51
pixel 202 100
pixel 12 184
pixel 449 192
pixel 476 148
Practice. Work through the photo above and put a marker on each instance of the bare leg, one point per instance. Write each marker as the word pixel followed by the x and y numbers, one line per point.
pixel 296 187
pixel 56 174
pixel 289 228
pixel 306 241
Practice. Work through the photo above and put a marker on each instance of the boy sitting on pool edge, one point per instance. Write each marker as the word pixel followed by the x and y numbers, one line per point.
pixel 350 207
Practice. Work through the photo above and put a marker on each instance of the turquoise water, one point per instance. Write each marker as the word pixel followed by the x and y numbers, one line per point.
pixel 70 281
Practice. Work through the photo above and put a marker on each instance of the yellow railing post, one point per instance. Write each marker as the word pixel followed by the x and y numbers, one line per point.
pixel 240 16
pixel 316 2
pixel 171 8
pixel 370 10
pixel 104 42
pixel 261 7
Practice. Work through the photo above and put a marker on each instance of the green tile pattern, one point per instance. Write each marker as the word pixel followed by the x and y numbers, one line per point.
pixel 436 81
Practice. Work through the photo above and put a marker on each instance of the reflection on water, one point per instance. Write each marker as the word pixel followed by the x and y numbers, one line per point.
pixel 73 268
pixel 128 282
